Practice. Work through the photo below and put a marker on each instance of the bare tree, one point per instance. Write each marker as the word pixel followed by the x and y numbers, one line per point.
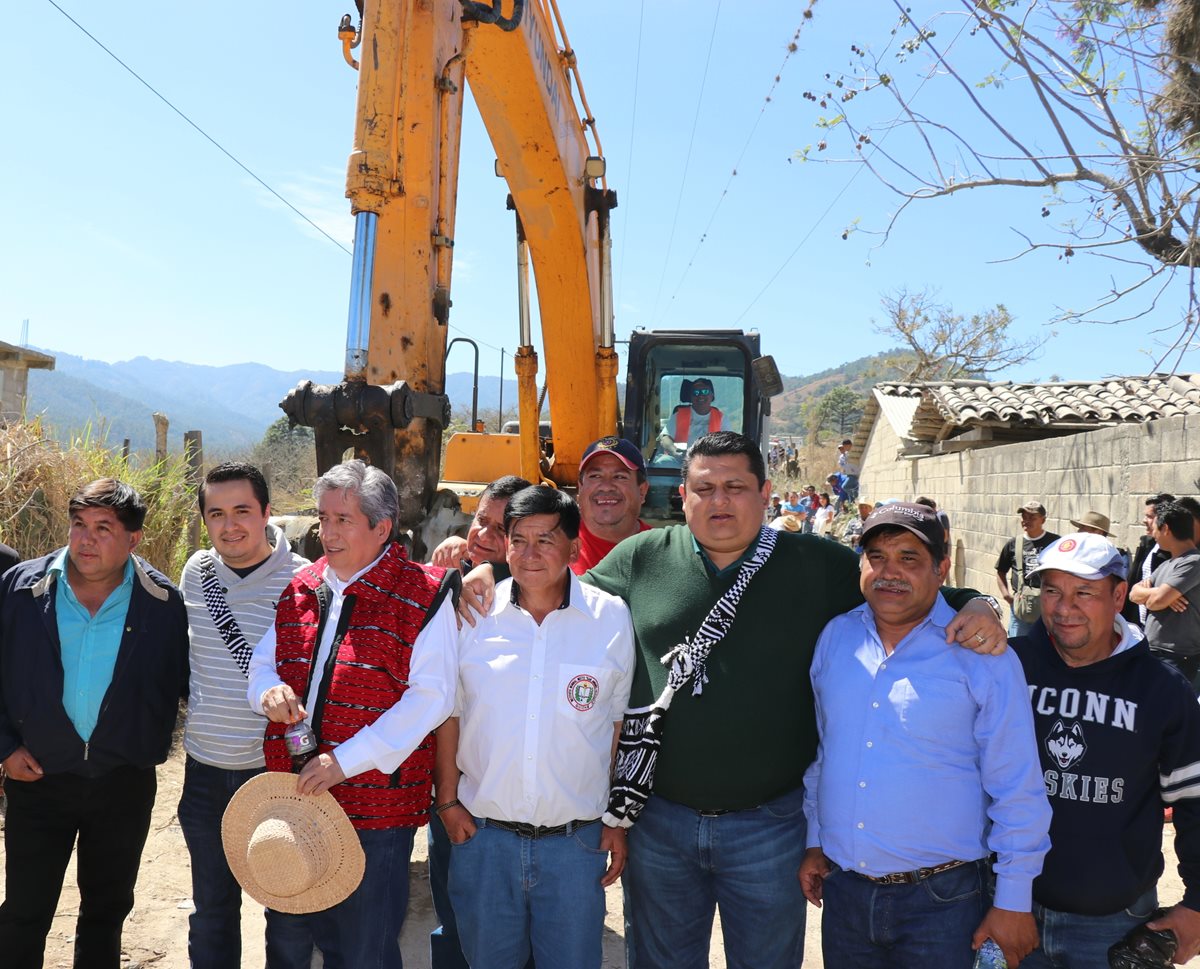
pixel 1093 104
pixel 944 345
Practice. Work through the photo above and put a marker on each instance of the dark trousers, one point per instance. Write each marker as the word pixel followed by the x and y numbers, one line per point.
pixel 215 928
pixel 111 816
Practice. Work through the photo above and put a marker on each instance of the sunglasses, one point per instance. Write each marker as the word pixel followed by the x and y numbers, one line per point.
pixel 701 392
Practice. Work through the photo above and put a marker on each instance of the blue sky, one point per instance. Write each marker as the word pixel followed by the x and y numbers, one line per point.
pixel 130 234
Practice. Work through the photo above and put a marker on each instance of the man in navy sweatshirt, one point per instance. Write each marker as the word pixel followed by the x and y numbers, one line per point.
pixel 1119 736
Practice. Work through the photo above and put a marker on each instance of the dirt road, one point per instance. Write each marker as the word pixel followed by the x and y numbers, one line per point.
pixel 156 932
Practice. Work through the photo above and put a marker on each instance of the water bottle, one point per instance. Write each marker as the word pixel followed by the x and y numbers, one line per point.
pixel 990 956
pixel 301 744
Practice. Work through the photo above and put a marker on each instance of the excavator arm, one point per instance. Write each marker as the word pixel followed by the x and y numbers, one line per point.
pixel 413 57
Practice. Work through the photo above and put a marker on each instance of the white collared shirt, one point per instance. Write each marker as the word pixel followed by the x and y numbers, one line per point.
pixel 537 706
pixel 388 742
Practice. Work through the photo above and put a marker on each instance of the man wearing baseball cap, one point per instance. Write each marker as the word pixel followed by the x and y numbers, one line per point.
pixel 612 487
pixel 1015 567
pixel 905 880
pixel 1119 737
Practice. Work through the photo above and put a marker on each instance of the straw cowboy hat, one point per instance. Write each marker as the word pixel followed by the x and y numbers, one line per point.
pixel 1093 519
pixel 292 852
pixel 786 523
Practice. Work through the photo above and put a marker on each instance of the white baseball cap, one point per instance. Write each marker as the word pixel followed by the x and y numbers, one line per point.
pixel 1083 554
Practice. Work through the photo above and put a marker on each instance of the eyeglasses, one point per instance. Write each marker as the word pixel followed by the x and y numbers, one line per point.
pixel 701 392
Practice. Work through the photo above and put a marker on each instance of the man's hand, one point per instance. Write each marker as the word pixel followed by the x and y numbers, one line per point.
pixel 813 870
pixel 977 628
pixel 281 705
pixel 450 553
pixel 320 774
pixel 1139 592
pixel 1015 932
pixel 478 591
pixel 1185 923
pixel 459 824
pixel 1179 605
pixel 612 840
pixel 20 765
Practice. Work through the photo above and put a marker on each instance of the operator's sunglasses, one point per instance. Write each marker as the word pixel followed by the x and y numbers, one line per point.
pixel 701 392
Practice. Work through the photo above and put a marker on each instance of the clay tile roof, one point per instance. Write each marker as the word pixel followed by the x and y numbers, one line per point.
pixel 950 405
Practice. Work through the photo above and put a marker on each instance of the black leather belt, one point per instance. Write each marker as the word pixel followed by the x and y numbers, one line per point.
pixel 534 832
pixel 913 877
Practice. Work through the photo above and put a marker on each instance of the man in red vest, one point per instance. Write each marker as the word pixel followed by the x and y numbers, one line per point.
pixel 363 648
pixel 697 416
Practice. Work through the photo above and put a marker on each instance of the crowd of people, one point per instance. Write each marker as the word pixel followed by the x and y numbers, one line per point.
pixel 567 697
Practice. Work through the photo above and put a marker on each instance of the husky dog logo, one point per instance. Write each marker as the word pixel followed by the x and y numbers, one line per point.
pixel 1066 744
pixel 581 692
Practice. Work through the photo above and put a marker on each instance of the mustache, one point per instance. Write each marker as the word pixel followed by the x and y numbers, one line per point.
pixel 890 585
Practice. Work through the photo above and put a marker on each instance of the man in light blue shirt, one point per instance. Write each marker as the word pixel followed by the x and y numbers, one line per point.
pixel 93 662
pixel 928 766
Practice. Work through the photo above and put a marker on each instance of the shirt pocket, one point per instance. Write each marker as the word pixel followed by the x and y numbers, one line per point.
pixel 583 691
pixel 935 709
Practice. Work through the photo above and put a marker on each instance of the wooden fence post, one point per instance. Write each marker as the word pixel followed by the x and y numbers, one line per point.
pixel 160 437
pixel 193 451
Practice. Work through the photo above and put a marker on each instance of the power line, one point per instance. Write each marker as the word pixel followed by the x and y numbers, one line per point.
pixel 211 140
pixel 792 47
pixel 688 160
pixel 850 181
pixel 222 149
pixel 637 71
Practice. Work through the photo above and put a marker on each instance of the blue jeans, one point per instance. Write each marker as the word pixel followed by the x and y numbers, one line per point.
pixel 865 924
pixel 1081 941
pixel 214 929
pixel 683 865
pixel 445 952
pixel 516 895
pixel 363 932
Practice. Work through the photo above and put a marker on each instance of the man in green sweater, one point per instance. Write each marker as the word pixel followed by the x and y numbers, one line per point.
pixel 725 823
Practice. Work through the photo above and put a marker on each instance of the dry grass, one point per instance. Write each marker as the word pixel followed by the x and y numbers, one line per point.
pixel 38 475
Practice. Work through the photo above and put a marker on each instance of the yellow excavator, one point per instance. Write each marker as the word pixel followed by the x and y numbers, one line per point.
pixel 413 58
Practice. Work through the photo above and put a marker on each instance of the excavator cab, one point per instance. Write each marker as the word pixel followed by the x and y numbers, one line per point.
pixel 683 384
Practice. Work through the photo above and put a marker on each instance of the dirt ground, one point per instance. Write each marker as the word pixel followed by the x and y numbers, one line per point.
pixel 156 932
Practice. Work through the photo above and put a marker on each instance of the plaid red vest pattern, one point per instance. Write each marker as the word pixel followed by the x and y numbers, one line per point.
pixel 382 615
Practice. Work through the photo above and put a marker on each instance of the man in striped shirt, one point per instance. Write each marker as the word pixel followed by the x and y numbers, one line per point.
pixel 230 592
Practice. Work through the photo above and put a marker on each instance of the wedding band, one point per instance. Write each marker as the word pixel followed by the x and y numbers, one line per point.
pixel 979 636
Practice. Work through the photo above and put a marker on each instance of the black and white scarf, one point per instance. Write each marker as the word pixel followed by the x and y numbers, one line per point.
pixel 222 617
pixel 642 728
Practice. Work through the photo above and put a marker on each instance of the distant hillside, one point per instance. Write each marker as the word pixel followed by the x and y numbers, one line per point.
pixel 859 376
pixel 232 405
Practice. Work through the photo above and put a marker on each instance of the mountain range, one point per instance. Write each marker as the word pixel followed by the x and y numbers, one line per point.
pixel 234 405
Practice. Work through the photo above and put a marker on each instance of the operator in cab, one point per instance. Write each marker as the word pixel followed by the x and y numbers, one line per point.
pixel 696 415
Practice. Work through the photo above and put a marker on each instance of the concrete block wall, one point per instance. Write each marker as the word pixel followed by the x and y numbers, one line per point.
pixel 13 383
pixel 1111 470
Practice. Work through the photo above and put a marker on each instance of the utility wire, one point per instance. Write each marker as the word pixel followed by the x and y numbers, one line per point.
pixel 688 160
pixel 225 151
pixel 216 144
pixel 792 47
pixel 637 70
pixel 850 181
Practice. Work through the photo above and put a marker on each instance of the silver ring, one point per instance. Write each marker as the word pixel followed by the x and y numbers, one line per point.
pixel 979 636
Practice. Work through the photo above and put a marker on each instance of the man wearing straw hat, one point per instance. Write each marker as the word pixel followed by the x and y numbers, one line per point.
pixel 363 648
pixel 93 662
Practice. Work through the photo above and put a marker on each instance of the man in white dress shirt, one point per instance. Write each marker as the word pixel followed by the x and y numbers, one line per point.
pixel 523 765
